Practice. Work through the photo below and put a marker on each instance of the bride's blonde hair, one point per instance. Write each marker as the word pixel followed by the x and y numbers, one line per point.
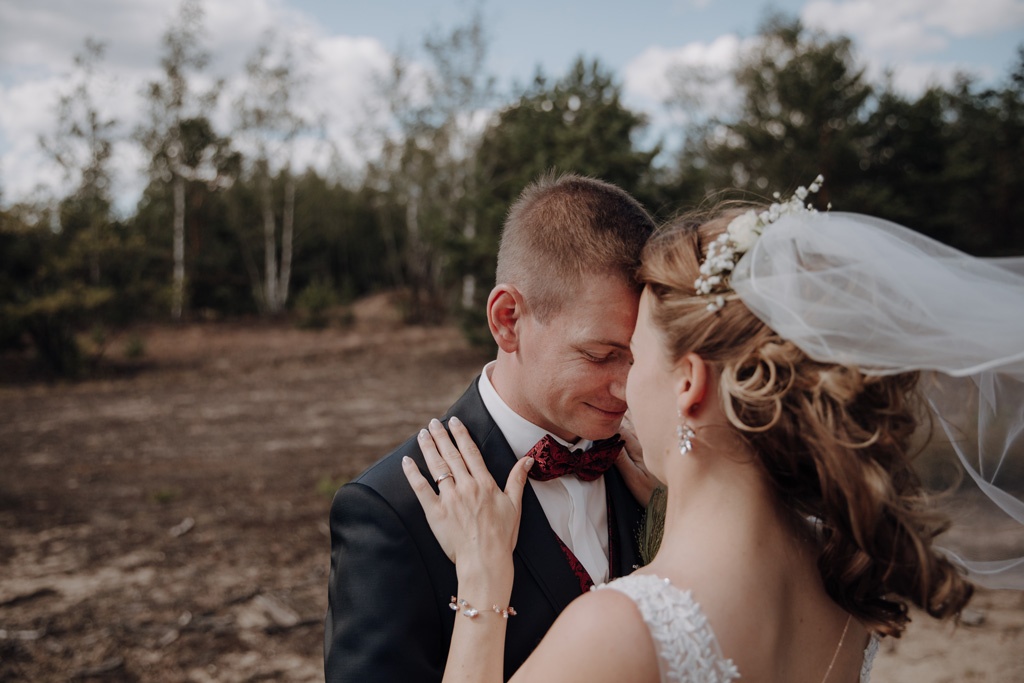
pixel 834 443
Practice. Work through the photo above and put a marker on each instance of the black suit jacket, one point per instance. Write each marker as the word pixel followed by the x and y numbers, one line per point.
pixel 390 584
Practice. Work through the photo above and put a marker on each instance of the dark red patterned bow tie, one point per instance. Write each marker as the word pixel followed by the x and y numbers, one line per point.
pixel 552 459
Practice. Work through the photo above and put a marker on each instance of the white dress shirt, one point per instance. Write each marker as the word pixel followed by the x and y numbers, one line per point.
pixel 577 510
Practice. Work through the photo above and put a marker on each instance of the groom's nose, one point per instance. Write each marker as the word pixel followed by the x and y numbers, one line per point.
pixel 617 385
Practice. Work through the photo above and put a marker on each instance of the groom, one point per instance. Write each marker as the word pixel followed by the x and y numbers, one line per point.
pixel 562 315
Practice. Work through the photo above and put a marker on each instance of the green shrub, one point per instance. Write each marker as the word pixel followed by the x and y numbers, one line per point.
pixel 314 303
pixel 134 347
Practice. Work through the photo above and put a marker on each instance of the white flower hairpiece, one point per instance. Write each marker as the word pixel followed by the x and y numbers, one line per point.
pixel 739 237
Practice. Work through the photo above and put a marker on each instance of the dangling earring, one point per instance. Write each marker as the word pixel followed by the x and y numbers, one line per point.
pixel 685 434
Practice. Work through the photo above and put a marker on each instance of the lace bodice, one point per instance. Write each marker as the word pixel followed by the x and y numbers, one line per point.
pixel 686 645
pixel 688 651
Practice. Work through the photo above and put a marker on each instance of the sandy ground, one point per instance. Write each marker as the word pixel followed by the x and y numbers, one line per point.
pixel 168 522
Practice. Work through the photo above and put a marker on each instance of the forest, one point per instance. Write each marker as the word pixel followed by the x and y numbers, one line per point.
pixel 229 226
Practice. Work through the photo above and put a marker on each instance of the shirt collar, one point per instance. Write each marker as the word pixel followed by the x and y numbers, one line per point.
pixel 521 434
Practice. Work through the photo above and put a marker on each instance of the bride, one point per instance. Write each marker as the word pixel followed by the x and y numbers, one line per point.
pixel 778 410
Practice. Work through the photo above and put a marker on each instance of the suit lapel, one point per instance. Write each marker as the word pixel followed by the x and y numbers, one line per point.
pixel 538 548
pixel 539 551
pixel 626 516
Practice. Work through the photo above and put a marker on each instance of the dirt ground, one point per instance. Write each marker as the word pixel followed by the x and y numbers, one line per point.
pixel 169 522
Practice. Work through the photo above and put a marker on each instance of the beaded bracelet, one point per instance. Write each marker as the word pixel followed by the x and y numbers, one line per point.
pixel 470 611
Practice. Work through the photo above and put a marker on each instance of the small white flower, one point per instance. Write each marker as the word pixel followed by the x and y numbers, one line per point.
pixel 739 237
pixel 743 231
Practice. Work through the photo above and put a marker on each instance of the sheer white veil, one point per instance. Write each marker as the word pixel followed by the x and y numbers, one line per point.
pixel 858 290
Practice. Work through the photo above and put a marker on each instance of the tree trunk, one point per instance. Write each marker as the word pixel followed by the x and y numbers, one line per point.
pixel 94 267
pixel 95 237
pixel 389 226
pixel 415 255
pixel 269 251
pixel 178 285
pixel 287 230
pixel 469 233
pixel 255 281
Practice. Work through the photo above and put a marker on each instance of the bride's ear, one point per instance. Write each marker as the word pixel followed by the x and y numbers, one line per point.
pixel 504 313
pixel 692 384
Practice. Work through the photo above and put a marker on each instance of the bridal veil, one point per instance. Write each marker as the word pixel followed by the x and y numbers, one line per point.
pixel 853 289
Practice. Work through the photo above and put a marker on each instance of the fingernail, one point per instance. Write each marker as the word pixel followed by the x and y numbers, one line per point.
pixel 423 434
pixel 435 422
pixel 454 420
pixel 528 465
pixel 406 460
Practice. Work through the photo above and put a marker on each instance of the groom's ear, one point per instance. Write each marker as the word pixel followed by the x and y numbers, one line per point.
pixel 504 311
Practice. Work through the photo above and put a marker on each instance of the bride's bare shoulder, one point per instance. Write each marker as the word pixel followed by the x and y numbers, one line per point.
pixel 795 616
pixel 600 636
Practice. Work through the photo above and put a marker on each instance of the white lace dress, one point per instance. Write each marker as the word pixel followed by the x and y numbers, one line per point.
pixel 688 651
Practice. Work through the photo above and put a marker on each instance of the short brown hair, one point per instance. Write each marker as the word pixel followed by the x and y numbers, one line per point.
pixel 564 228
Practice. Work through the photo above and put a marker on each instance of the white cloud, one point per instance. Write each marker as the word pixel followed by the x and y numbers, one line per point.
pixel 344 93
pixel 897 35
pixel 890 36
pixel 913 78
pixel 696 78
pixel 649 75
pixel 702 71
pixel 699 73
pixel 24 167
pixel 684 5
pixel 977 17
pixel 43 35
pixel 39 39
pixel 912 27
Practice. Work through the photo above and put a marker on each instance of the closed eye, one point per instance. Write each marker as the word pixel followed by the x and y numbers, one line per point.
pixel 608 357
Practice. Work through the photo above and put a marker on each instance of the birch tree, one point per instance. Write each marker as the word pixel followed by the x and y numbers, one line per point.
pixel 178 135
pixel 430 133
pixel 269 122
pixel 461 92
pixel 81 145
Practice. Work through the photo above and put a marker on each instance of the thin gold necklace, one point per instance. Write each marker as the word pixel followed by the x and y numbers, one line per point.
pixel 838 648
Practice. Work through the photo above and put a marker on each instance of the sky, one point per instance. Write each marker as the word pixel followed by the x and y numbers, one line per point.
pixel 921 42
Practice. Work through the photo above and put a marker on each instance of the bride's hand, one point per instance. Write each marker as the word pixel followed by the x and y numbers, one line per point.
pixel 630 463
pixel 475 522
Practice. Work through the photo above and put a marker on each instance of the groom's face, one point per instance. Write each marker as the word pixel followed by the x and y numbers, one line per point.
pixel 574 364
